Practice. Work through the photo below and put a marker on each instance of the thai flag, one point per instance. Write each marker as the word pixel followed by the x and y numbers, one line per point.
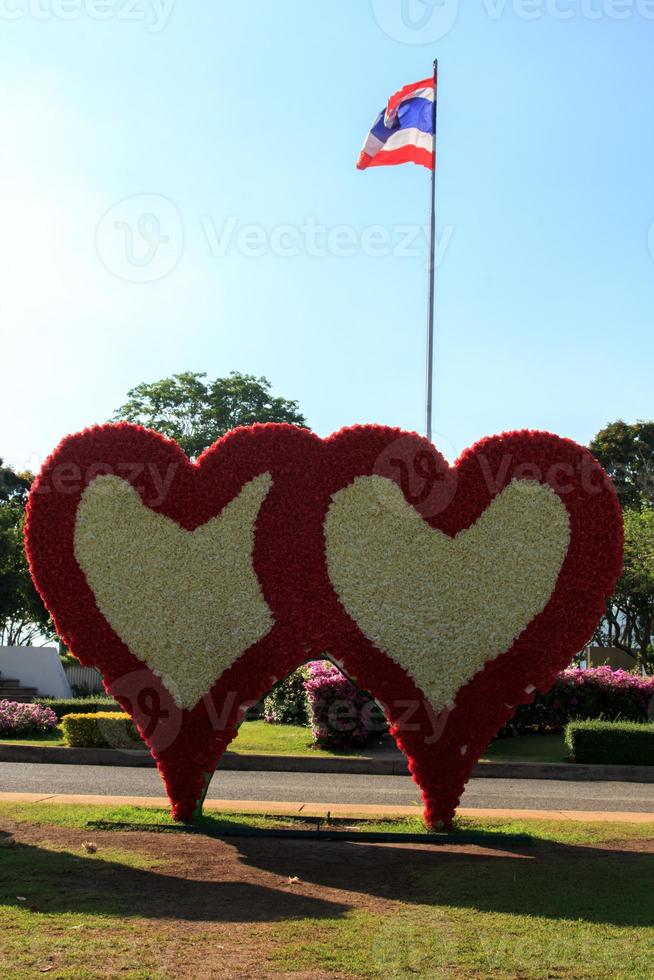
pixel 404 131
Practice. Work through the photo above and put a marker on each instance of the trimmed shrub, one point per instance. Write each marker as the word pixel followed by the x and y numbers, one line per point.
pixel 288 702
pixel 581 694
pixel 18 720
pixel 102 730
pixel 626 743
pixel 341 714
pixel 67 706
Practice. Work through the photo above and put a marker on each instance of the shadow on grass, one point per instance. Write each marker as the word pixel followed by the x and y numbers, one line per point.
pixel 545 880
pixel 552 881
pixel 52 881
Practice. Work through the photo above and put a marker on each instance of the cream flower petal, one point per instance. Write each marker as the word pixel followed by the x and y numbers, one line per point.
pixel 442 607
pixel 186 603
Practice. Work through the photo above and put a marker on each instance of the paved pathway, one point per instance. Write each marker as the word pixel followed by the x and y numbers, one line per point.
pixel 528 794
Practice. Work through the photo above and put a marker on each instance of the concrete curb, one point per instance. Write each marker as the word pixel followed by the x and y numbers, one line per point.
pixel 354 765
pixel 353 811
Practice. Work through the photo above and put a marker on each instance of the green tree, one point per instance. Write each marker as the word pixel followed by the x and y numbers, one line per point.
pixel 626 451
pixel 627 454
pixel 23 617
pixel 629 621
pixel 196 412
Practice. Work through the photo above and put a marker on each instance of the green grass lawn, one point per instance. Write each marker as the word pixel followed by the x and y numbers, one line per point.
pixel 256 737
pixel 260 738
pixel 498 830
pixel 528 748
pixel 52 738
pixel 572 901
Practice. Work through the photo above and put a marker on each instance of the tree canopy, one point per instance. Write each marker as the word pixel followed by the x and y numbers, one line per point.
pixel 629 621
pixel 196 412
pixel 14 487
pixel 23 617
pixel 627 454
pixel 626 451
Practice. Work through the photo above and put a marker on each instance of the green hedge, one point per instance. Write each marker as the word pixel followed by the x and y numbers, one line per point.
pixel 102 730
pixel 67 706
pixel 615 743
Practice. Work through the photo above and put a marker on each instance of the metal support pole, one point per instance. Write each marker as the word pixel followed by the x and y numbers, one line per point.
pixel 432 273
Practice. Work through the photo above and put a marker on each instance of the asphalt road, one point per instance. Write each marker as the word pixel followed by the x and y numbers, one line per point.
pixel 527 794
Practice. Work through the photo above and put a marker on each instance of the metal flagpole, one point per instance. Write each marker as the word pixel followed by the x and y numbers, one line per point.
pixel 432 272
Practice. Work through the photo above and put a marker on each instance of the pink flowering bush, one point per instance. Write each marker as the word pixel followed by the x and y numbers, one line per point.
pixel 578 694
pixel 18 719
pixel 341 714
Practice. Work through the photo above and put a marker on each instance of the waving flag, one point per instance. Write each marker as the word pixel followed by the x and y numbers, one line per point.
pixel 404 131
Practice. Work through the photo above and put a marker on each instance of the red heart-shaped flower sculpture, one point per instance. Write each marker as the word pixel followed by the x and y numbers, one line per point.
pixel 120 478
pixel 526 523
pixel 449 593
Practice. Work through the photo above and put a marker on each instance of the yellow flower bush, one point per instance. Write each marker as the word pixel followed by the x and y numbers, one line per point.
pixel 100 730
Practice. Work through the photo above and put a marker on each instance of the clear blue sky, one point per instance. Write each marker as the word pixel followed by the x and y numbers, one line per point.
pixel 253 113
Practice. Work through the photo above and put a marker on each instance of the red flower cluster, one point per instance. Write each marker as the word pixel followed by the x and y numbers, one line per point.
pixel 290 564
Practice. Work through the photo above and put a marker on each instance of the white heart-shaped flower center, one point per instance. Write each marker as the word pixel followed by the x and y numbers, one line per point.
pixel 187 603
pixel 442 607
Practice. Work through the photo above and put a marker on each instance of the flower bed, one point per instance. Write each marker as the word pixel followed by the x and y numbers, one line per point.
pixel 582 694
pixel 17 720
pixel 341 714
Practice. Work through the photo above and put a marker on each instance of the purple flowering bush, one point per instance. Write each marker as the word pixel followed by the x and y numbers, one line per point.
pixel 578 694
pixel 341 714
pixel 18 719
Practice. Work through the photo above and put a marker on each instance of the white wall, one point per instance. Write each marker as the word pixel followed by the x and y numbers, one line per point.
pixel 38 667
